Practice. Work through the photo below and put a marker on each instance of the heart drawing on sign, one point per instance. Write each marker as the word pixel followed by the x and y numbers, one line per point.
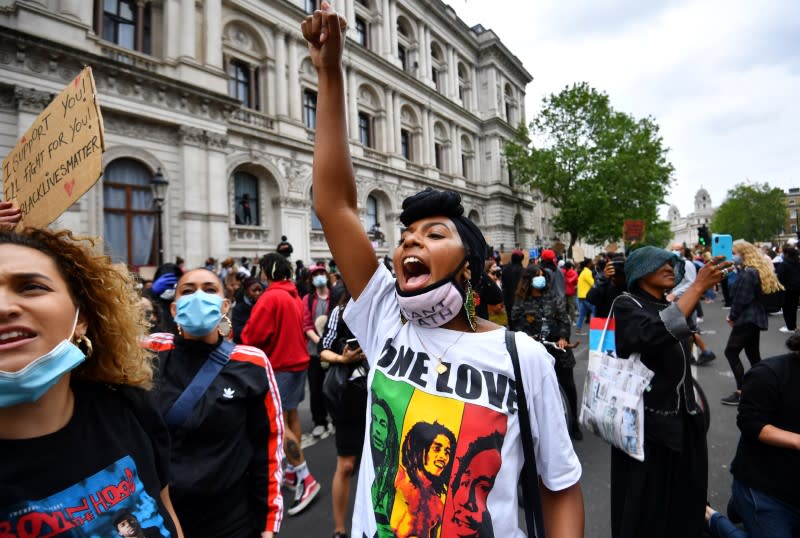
pixel 69 185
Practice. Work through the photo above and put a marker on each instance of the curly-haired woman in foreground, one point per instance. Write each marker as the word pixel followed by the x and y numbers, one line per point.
pixel 75 416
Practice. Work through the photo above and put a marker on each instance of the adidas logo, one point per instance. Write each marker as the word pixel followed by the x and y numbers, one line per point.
pixel 228 393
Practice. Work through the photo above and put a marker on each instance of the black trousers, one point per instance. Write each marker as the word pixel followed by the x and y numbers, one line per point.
pixel 790 300
pixel 665 495
pixel 316 376
pixel 726 292
pixel 742 337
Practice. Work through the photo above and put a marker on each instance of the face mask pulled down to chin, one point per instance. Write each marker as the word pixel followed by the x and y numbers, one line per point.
pixel 37 377
pixel 434 305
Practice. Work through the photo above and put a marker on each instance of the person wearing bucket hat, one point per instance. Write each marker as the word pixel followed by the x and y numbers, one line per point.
pixel 676 461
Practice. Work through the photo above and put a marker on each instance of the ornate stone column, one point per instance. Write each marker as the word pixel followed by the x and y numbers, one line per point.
pixel 187 40
pixel 352 103
pixel 212 14
pixel 294 81
pixel 280 74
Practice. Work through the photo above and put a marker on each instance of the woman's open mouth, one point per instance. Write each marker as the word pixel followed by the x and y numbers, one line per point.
pixel 415 273
pixel 10 338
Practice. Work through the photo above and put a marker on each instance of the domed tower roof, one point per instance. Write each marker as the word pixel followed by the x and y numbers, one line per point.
pixel 702 200
pixel 673 213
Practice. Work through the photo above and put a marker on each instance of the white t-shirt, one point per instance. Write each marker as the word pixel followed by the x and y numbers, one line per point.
pixel 442 452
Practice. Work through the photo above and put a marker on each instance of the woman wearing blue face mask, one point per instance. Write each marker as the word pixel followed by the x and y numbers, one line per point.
pixel 747 316
pixel 75 415
pixel 227 438
pixel 544 316
pixel 316 304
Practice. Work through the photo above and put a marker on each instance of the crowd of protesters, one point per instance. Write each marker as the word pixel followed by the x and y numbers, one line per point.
pixel 184 390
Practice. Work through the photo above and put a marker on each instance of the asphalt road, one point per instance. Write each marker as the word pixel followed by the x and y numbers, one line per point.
pixel 715 378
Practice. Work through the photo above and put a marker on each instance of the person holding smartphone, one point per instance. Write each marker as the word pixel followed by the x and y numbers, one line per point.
pixel 338 347
pixel 609 285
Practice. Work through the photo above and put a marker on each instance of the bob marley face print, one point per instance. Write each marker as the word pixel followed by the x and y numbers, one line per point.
pixel 438 455
pixel 474 479
pixel 379 427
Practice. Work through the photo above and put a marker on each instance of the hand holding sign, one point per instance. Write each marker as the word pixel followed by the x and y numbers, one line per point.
pixel 59 158
pixel 9 216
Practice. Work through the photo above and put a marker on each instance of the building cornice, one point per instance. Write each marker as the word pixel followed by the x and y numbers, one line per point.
pixel 42 58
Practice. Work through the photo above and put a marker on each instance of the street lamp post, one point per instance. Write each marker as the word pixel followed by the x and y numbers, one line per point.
pixel 158 186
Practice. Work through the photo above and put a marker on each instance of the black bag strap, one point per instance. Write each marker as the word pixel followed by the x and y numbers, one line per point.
pixel 532 502
pixel 188 399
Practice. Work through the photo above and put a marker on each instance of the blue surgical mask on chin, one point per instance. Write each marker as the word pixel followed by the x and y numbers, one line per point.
pixel 737 259
pixel 37 377
pixel 539 282
pixel 199 313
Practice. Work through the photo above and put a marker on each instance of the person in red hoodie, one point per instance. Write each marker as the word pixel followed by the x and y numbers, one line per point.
pixel 276 327
pixel 571 288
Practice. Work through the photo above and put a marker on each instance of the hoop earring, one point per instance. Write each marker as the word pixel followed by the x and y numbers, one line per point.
pixel 87 344
pixel 228 326
pixel 470 301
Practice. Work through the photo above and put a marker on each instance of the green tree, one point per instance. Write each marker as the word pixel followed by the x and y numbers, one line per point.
pixel 597 166
pixel 658 234
pixel 751 211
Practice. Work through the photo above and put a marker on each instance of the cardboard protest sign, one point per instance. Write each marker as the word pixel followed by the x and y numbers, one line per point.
pixel 60 157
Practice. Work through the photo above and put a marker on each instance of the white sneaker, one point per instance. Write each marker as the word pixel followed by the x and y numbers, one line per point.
pixel 319 431
pixel 699 320
pixel 307 440
pixel 785 330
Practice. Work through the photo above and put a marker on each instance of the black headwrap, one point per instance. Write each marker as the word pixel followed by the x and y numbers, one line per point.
pixel 432 203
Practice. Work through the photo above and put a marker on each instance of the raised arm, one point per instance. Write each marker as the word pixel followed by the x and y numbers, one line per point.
pixel 335 196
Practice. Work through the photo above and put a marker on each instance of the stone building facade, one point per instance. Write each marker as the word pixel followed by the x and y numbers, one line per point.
pixel 684 229
pixel 219 96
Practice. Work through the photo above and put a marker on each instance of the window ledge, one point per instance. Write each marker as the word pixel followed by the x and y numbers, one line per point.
pixel 252 118
pixel 375 155
pixel 128 56
pixel 243 233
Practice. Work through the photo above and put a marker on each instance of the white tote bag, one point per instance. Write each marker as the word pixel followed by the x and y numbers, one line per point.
pixel 613 397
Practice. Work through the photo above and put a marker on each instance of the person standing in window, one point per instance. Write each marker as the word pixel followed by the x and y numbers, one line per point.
pixel 247 216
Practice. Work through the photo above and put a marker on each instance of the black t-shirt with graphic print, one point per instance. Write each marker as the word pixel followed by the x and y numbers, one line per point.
pixel 105 468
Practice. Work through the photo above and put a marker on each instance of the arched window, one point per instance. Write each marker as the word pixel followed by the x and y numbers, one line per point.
pixel 518 229
pixel 246 199
pixel 464 86
pixel 510 104
pixel 438 67
pixel 372 212
pixel 467 157
pixel 441 145
pixel 128 215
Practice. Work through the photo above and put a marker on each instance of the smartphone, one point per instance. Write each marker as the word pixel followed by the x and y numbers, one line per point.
pixel 352 343
pixel 619 265
pixel 722 245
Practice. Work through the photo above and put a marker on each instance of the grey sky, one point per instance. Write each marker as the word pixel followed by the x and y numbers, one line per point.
pixel 721 78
